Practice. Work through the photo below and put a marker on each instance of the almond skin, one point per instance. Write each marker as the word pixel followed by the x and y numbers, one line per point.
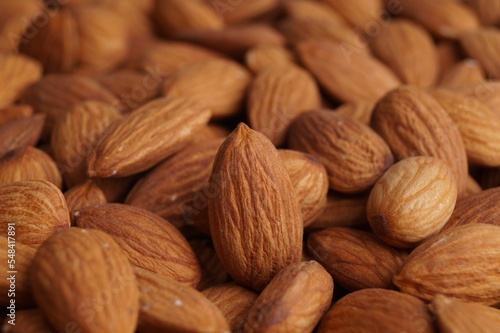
pixel 313 11
pixel 342 211
pixel 262 56
pixel 146 136
pixel 412 201
pixel 377 310
pixel 294 301
pixel 27 321
pixel 484 46
pixel 84 195
pixel 243 11
pixel 355 259
pixel 250 181
pixel 163 249
pixel 212 271
pixel 358 14
pixel 15 112
pixel 277 96
pixel 353 154
pixel 362 78
pixel 37 208
pixel 487 10
pixel 65 294
pixel 413 124
pixel 218 84
pixel 481 207
pixel 168 306
pixel 20 133
pixel 432 267
pixel 466 72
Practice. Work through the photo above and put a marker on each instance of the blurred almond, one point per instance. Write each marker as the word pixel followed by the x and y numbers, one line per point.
pixel 277 96
pixel 28 321
pixel 357 13
pixel 472 187
pixel 448 56
pixel 363 78
pixel 463 73
pixel 213 272
pixel 146 136
pixel 37 208
pixel 84 195
pixel 487 92
pixel 484 46
pixel 19 133
pixel 312 10
pixel 361 111
pixel 342 211
pixel 244 10
pixel 15 19
pixel 487 10
pixel 15 112
pixel 260 57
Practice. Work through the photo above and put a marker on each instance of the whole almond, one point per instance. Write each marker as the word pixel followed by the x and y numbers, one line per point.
pixel 313 11
pixel 377 310
pixel 412 201
pixel 71 273
pixel 355 259
pixel 15 112
pixel 362 77
pixel 37 208
pixel 169 306
pixel 353 154
pixel 277 96
pixel 146 136
pixel 358 14
pixel 262 56
pixel 84 195
pixel 483 45
pixel 409 50
pixel 342 211
pixel 432 267
pixel 250 181
pixel 466 72
pixel 413 123
pixel 294 300
pixel 20 133
pixel 219 85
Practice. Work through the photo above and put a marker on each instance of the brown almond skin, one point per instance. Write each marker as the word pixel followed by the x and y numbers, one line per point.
pixel 363 78
pixel 412 201
pixel 37 208
pixel 212 270
pixel 74 135
pixel 219 84
pixel 409 50
pixel 466 72
pixel 168 306
pixel 84 195
pixel 294 301
pixel 355 259
pixel 233 301
pixel 259 57
pixel 481 207
pixel 353 154
pixel 238 13
pixel 27 321
pixel 23 257
pixel 342 211
pixel 177 188
pixel 314 11
pixel 358 14
pixel 483 44
pixel 20 133
pixel 456 316
pixel 250 181
pixel 432 268
pixel 146 136
pixel 361 111
pixel 15 112
pixel 309 180
pixel 70 294
pixel 277 96
pixel 377 310
pixel 149 241
pixel 413 124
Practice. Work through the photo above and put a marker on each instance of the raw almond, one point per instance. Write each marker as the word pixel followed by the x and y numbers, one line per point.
pixel 488 11
pixel 277 96
pixel 342 211
pixel 146 136
pixel 83 279
pixel 212 270
pixel 37 208
pixel 484 46
pixel 449 263
pixel 27 321
pixel 362 78
pixel 412 201
pixel 250 181
pixel 243 10
pixel 20 133
pixel 149 241
pixel 260 57
pixel 314 11
pixel 466 72
pixel 361 111
pixel 294 301
pixel 84 195
pixel 357 13
pixel 355 259
pixel 413 123
pixel 353 154
pixel 377 310
pixel 15 112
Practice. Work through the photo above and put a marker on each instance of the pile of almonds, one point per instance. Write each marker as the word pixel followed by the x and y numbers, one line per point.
pixel 250 166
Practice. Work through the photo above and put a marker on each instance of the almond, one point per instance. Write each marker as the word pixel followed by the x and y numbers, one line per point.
pixel 472 187
pixel 219 85
pixel 487 10
pixel 244 10
pixel 146 136
pixel 212 271
pixel 377 310
pixel 484 46
pixel 362 77
pixel 313 11
pixel 260 57
pixel 294 300
pixel 15 112
pixel 358 14
pixel 481 207
pixel 342 211
pixel 412 201
pixel 413 123
pixel 310 182
pixel 477 123
pixel 37 208
pixel 82 278
pixel 460 317
pixel 466 72
pixel 448 56
pixel 409 50
pixel 277 96
pixel 353 154
pixel 84 195
pixel 432 267
pixel 20 133
pixel 17 72
pixel 355 259
pixel 487 92
pixel 27 321
pixel 233 301
pixel 361 111
pixel 74 135
pixel 28 163
pixel 15 18
pixel 250 181
pixel 149 241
